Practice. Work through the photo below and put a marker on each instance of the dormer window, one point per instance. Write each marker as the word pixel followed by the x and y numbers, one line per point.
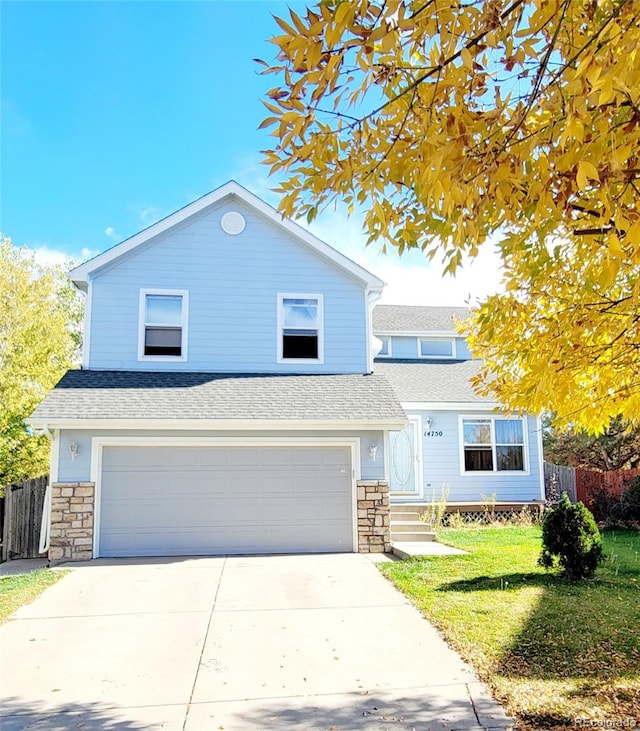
pixel 385 348
pixel 300 332
pixel 436 348
pixel 163 325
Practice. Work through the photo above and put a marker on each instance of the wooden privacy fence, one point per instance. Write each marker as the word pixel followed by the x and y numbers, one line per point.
pixel 23 506
pixel 581 484
pixel 613 482
pixel 565 479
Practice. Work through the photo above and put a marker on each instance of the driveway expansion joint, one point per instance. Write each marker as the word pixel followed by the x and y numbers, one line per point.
pixel 204 644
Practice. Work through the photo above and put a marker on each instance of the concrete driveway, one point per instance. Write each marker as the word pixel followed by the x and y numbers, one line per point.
pixel 269 642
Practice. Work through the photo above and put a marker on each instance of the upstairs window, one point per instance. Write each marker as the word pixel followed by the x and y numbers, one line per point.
pixel 300 328
pixel 436 348
pixel 493 445
pixel 163 325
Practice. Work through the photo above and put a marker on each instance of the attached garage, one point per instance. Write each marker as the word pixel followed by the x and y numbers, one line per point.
pixel 207 500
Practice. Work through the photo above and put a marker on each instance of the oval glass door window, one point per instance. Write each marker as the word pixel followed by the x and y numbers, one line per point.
pixel 401 458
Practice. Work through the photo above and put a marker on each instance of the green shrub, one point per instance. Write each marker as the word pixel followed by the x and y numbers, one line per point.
pixel 571 539
pixel 605 505
pixel 630 502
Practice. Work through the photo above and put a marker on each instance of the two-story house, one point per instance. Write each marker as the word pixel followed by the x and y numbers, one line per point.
pixel 228 400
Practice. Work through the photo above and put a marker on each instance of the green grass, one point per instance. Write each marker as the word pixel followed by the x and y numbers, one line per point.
pixel 551 650
pixel 16 591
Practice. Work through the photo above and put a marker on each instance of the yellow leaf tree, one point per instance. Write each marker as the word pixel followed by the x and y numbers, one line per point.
pixel 40 318
pixel 515 124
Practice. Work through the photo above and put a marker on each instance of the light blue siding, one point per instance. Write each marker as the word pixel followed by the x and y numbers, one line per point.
pixel 233 283
pixel 402 347
pixel 462 350
pixel 441 461
pixel 79 469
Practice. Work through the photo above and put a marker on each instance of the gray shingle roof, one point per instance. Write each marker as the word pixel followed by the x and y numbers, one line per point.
pixel 137 395
pixel 433 382
pixel 407 318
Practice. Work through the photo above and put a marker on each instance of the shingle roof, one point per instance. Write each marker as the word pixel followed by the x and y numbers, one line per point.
pixel 137 395
pixel 407 318
pixel 433 382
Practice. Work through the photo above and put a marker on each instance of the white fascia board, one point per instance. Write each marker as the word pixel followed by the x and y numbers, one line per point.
pixel 218 424
pixel 417 333
pixel 82 272
pixel 451 405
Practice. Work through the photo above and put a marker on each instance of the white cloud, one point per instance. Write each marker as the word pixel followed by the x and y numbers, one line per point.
pixel 48 256
pixel 111 233
pixel 411 279
pixel 147 215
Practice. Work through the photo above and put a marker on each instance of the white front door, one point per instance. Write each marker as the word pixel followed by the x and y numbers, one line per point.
pixel 404 459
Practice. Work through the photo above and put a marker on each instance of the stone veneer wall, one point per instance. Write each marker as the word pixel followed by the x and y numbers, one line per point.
pixel 374 534
pixel 71 536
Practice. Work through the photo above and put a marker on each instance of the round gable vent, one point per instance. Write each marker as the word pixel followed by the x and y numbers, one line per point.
pixel 233 223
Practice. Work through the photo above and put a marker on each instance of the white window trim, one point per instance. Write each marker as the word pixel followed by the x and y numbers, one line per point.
pixel 142 307
pixel 279 329
pixel 389 353
pixel 495 472
pixel 453 355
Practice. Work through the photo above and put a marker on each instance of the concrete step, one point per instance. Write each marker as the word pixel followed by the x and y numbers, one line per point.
pixel 403 549
pixel 410 526
pixel 413 537
pixel 405 515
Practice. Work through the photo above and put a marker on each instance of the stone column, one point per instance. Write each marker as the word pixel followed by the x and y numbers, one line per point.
pixel 374 534
pixel 71 534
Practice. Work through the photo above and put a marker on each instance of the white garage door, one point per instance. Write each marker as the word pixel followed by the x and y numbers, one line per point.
pixel 168 501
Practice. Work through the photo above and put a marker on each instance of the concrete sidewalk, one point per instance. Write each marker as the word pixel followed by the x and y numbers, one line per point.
pixel 270 642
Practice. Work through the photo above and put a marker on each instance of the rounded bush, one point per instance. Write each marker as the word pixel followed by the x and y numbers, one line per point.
pixel 571 539
pixel 630 502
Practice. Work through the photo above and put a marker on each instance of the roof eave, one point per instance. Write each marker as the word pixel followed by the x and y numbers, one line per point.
pixel 218 424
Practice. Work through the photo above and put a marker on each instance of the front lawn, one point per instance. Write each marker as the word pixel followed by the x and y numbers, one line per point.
pixel 554 652
pixel 15 591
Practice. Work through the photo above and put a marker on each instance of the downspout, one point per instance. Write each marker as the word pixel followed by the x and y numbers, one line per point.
pixel 373 295
pixel 45 523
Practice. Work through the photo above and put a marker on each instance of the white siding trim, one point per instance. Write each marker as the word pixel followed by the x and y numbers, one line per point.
pixel 495 472
pixel 142 302
pixel 451 405
pixel 280 327
pixel 418 333
pixel 217 424
pixel 54 459
pixel 98 444
pixel 370 298
pixel 86 326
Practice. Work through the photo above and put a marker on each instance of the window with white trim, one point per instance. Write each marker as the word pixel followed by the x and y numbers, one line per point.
pixel 385 348
pixel 300 328
pixel 163 325
pixel 436 348
pixel 493 445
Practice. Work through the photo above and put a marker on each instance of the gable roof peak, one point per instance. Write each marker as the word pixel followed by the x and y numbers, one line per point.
pixel 81 274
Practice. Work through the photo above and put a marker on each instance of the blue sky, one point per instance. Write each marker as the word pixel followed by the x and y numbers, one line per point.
pixel 115 114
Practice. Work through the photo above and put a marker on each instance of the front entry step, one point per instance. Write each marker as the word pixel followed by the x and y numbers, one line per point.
pixel 407 527
pixel 414 537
